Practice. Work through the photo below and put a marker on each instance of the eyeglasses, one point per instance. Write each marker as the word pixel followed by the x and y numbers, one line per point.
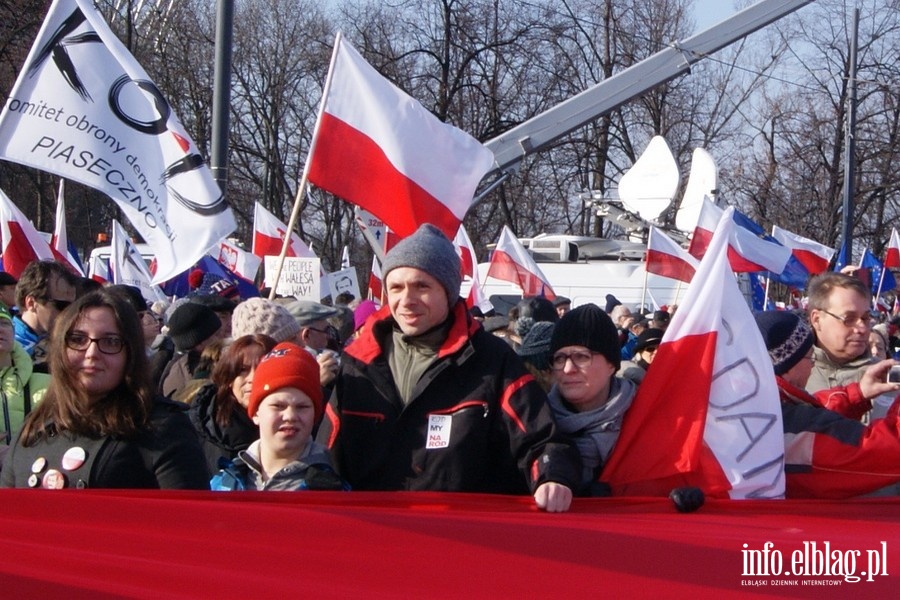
pixel 59 305
pixel 111 344
pixel 329 331
pixel 851 320
pixel 580 359
pixel 150 317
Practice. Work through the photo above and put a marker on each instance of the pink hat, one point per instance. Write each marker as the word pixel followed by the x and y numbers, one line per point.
pixel 362 312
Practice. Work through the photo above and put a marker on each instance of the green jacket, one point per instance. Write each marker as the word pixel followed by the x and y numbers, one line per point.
pixel 12 392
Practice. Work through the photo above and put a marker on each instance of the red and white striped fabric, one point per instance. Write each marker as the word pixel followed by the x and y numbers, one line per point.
pixel 814 256
pixel 378 148
pixel 268 236
pixel 666 258
pixel 747 253
pixel 511 262
pixel 21 241
pixel 708 412
pixel 469 268
pixel 892 254
pixel 59 242
pixel 376 288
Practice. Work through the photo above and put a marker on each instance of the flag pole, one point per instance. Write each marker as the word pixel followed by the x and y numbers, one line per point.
pixel 295 211
pixel 646 277
pixel 766 295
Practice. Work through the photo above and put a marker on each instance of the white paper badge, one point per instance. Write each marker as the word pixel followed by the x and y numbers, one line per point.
pixel 438 431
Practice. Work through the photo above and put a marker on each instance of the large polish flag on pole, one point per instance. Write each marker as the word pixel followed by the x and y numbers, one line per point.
pixel 21 241
pixel 378 148
pixel 268 236
pixel 814 257
pixel 469 268
pixel 668 259
pixel 708 412
pixel 892 254
pixel 84 109
pixel 511 262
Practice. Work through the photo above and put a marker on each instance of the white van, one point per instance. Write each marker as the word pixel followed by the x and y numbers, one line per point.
pixel 98 261
pixel 586 269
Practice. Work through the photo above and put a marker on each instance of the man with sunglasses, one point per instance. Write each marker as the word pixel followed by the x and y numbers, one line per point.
pixel 839 314
pixel 44 290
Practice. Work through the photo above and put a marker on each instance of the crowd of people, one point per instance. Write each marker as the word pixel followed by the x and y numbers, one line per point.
pixel 102 389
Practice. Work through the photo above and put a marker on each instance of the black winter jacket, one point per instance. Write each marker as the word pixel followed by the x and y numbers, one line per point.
pixel 164 455
pixel 477 421
pixel 218 441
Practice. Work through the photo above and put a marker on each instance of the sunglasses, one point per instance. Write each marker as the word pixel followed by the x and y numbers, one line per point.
pixel 59 305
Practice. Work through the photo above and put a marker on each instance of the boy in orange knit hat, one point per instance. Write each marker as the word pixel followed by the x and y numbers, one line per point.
pixel 285 402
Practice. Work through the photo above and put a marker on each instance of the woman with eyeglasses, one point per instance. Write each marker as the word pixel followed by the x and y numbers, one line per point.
pixel 587 399
pixel 99 424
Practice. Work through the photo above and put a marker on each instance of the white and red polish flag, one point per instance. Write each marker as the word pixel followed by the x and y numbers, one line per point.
pixel 666 258
pixel 268 236
pixel 708 412
pixel 469 268
pixel 747 252
pixel 892 254
pixel 378 148
pixel 814 256
pixel 21 241
pixel 237 260
pixel 84 109
pixel 511 262
pixel 60 239
pixel 376 288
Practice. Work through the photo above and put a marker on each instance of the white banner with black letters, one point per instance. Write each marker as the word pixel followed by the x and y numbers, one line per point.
pixel 83 108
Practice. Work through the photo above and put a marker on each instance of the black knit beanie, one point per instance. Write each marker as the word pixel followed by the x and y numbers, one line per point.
pixel 788 338
pixel 192 323
pixel 588 326
pixel 429 250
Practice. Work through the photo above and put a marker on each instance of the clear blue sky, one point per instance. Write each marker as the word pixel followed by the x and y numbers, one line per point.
pixel 710 12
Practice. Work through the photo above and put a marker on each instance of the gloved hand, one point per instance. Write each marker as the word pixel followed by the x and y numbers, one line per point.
pixel 687 499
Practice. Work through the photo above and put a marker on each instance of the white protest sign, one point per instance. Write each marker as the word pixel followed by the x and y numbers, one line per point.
pixel 343 281
pixel 299 277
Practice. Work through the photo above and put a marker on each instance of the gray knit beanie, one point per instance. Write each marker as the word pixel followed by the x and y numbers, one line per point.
pixel 535 348
pixel 261 315
pixel 427 249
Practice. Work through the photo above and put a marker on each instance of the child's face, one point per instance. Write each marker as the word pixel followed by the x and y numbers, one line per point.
pixel 285 418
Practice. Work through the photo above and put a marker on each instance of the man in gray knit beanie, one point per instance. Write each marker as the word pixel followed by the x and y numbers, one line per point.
pixel 426 399
pixel 429 250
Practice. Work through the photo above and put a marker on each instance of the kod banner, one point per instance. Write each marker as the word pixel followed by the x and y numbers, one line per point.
pixel 84 109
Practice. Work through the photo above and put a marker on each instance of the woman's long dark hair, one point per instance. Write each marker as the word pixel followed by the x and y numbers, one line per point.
pixel 232 362
pixel 121 413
